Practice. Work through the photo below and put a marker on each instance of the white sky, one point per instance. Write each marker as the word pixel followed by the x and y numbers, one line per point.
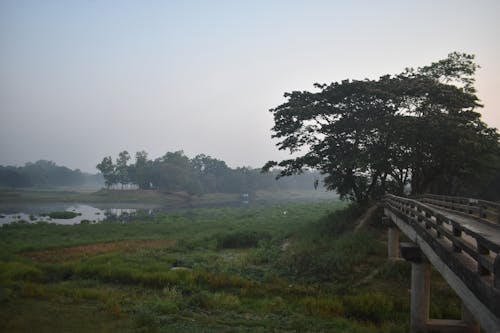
pixel 80 80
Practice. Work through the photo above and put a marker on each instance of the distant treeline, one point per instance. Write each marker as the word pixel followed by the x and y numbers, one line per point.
pixel 46 174
pixel 174 171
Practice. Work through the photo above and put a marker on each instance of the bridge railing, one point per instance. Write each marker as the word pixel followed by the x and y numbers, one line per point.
pixel 479 268
pixel 486 210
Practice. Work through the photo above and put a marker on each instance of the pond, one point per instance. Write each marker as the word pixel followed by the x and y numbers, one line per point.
pixel 97 212
pixel 90 213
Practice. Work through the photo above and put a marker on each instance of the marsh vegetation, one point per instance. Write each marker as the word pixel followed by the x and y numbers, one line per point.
pixel 285 268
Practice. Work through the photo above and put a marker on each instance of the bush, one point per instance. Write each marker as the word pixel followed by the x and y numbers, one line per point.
pixel 338 222
pixel 241 239
pixel 14 271
pixel 61 215
pixel 324 259
pixel 327 249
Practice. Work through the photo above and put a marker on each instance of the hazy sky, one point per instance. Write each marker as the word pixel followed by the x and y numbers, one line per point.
pixel 80 80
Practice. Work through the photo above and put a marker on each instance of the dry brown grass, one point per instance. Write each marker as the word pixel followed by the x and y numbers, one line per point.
pixel 75 252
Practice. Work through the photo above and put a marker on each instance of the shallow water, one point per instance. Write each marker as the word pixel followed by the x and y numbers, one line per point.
pixel 96 212
pixel 93 213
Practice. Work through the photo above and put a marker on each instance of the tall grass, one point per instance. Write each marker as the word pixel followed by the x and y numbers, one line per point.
pixel 328 249
pixel 282 268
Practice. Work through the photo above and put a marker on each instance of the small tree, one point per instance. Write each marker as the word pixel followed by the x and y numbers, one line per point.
pixel 122 167
pixel 108 170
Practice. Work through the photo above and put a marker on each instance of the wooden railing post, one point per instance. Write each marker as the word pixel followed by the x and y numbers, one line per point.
pixel 496 272
pixel 482 251
pixel 481 211
pixel 457 233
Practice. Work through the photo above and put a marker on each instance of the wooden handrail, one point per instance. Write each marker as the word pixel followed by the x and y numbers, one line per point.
pixel 434 228
pixel 483 209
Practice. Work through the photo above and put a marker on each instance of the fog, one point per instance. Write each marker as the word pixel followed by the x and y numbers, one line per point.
pixel 80 80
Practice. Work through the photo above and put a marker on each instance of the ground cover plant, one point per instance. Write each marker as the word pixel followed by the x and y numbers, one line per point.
pixel 285 268
pixel 61 215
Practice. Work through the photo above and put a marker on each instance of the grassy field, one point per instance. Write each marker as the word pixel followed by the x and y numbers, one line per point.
pixel 285 268
pixel 9 195
pixel 164 199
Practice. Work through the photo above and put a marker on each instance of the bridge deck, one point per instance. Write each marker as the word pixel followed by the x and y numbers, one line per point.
pixel 487 230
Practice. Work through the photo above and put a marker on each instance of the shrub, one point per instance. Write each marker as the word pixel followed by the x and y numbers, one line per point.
pixel 13 271
pixel 61 215
pixel 338 222
pixel 241 239
pixel 324 258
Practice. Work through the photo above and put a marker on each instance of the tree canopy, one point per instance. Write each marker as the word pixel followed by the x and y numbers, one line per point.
pixel 418 130
pixel 176 172
pixel 43 173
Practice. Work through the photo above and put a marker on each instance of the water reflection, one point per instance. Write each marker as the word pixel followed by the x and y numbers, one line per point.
pixel 86 213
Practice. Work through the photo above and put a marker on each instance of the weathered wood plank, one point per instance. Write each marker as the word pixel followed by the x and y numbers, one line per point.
pixel 476 264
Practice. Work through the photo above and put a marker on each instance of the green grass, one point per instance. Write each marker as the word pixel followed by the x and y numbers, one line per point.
pixel 285 268
pixel 165 199
pixel 60 215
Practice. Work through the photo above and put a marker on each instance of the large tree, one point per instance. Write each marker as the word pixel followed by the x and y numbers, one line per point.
pixel 417 128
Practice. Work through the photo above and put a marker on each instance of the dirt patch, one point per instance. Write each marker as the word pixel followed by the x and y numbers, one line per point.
pixel 75 252
pixel 363 221
pixel 286 245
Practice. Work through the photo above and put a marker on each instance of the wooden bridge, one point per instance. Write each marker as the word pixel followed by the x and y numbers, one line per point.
pixel 460 237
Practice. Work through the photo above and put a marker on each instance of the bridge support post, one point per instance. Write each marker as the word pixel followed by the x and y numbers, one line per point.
pixel 393 233
pixel 393 243
pixel 420 299
pixel 471 324
pixel 420 287
pixel 420 296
